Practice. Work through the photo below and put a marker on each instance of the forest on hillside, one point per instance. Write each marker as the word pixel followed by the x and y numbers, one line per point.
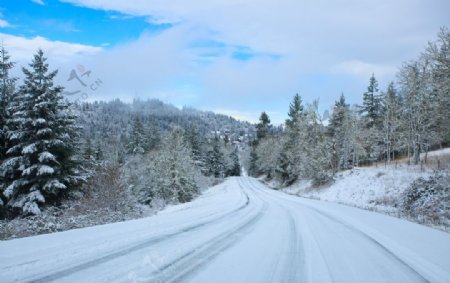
pixel 407 119
pixel 104 156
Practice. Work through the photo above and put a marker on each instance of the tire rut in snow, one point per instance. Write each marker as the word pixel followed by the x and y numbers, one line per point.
pixel 292 268
pixel 185 265
pixel 372 240
pixel 130 249
pixel 361 233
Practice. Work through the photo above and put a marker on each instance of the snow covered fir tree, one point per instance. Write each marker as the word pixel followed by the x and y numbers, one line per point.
pixel 41 139
pixel 6 94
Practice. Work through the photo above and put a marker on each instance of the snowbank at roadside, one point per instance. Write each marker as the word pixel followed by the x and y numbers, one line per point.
pixel 381 189
pixel 363 187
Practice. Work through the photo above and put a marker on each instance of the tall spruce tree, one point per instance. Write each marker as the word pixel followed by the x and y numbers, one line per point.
pixel 372 114
pixel 216 159
pixel 292 153
pixel 234 169
pixel 295 113
pixel 253 169
pixel 137 139
pixel 263 127
pixel 196 143
pixel 317 160
pixel 372 106
pixel 262 130
pixel 7 88
pixel 41 164
pixel 338 131
pixel 88 150
pixel 175 169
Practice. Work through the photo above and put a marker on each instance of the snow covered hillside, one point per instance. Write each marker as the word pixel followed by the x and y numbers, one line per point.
pixel 362 187
pixel 376 188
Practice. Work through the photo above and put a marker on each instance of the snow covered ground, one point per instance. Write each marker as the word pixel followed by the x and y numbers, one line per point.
pixel 376 188
pixel 370 187
pixel 238 231
pixel 441 152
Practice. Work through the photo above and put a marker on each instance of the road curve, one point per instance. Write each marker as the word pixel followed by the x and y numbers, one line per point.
pixel 239 231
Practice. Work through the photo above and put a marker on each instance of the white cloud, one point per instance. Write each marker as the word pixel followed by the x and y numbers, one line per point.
pixel 40 2
pixel 347 39
pixel 364 69
pixel 61 55
pixel 22 49
pixel 4 24
pixel 296 27
pixel 147 67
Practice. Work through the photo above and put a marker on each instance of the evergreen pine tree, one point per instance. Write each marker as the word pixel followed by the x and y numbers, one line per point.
pixel 194 141
pixel 88 150
pixel 295 113
pixel 41 164
pixel 372 107
pixel 263 127
pixel 98 151
pixel 284 167
pixel 137 139
pixel 175 172
pixel 153 136
pixel 262 130
pixel 292 152
pixel 317 160
pixel 216 159
pixel 338 132
pixel 7 88
pixel 372 113
pixel 236 168
pixel 253 166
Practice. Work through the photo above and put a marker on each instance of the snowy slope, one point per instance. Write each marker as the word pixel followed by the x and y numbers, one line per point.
pixel 369 187
pixel 381 188
pixel 239 231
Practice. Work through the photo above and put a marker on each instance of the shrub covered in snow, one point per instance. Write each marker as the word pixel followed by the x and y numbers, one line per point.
pixel 428 200
pixel 422 196
pixel 166 175
pixel 71 214
pixel 322 177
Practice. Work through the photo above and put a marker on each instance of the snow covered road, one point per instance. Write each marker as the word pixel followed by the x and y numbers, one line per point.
pixel 239 231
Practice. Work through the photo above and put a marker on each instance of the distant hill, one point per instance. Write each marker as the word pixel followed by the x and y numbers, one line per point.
pixel 109 123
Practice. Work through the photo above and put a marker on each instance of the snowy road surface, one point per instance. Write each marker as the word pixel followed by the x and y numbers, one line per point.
pixel 239 231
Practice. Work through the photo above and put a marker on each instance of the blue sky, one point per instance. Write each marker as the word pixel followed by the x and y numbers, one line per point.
pixel 230 56
pixel 56 20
